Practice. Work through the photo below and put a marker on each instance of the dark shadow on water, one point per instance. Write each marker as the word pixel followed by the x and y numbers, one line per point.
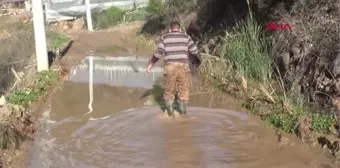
pixel 66 49
pixel 157 93
pixel 52 56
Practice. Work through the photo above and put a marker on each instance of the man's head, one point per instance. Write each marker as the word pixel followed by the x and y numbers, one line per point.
pixel 175 26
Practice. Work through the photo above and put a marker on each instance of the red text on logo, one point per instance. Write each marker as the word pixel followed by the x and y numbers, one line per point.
pixel 274 26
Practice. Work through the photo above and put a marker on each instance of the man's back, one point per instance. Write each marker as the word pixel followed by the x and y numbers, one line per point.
pixel 176 47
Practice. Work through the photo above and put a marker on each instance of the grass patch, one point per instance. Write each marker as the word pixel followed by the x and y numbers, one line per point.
pixel 13 26
pixel 56 40
pixel 288 123
pixel 107 18
pixel 44 80
pixel 321 122
pixel 40 88
pixel 136 15
pixel 113 16
pixel 284 121
pixel 23 97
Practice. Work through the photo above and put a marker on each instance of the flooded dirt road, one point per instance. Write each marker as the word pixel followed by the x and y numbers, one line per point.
pixel 127 127
pixel 123 132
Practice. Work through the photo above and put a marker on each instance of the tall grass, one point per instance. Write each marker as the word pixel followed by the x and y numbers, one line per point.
pixel 249 3
pixel 247 50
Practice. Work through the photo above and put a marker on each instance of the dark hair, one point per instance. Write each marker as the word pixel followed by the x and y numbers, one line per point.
pixel 175 24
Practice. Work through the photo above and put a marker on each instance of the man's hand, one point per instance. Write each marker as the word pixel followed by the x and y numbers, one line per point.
pixel 151 62
pixel 149 67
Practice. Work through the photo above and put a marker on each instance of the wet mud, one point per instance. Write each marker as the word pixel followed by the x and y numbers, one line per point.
pixel 123 131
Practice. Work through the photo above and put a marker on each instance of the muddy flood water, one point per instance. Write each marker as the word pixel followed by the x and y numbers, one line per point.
pixel 122 132
pixel 127 128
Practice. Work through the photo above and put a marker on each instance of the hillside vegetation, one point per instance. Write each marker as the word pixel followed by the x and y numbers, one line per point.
pixel 288 77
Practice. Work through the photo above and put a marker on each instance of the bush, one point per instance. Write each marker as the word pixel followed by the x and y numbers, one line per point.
pixel 113 16
pixel 162 14
pixel 247 50
pixel 309 54
pixel 15 51
pixel 106 18
pixel 178 9
pixel 137 15
pixel 155 6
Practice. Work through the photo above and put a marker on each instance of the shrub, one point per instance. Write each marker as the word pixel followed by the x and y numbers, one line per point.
pixel 139 14
pixel 247 50
pixel 165 12
pixel 155 6
pixel 106 18
pixel 15 51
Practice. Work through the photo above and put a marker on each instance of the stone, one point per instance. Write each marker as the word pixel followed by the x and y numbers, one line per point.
pixel 285 59
pixel 5 113
pixel 65 27
pixel 296 53
pixel 315 144
pixel 284 141
pixel 333 130
pixel 3 11
pixel 148 102
pixel 327 89
pixel 2 101
pixel 177 114
pixel 336 65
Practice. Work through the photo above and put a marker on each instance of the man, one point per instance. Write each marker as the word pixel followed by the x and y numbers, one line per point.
pixel 178 51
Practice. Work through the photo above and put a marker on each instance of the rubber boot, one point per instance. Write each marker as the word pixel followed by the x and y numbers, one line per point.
pixel 169 105
pixel 183 108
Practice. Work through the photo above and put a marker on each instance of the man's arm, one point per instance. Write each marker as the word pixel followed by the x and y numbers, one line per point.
pixel 194 55
pixel 160 52
pixel 193 50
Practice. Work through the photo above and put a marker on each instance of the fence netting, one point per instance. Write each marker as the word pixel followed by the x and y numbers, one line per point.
pixel 58 10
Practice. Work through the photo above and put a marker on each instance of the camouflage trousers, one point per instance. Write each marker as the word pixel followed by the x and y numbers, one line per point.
pixel 177 79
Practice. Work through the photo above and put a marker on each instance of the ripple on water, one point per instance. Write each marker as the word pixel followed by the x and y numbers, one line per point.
pixel 215 138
